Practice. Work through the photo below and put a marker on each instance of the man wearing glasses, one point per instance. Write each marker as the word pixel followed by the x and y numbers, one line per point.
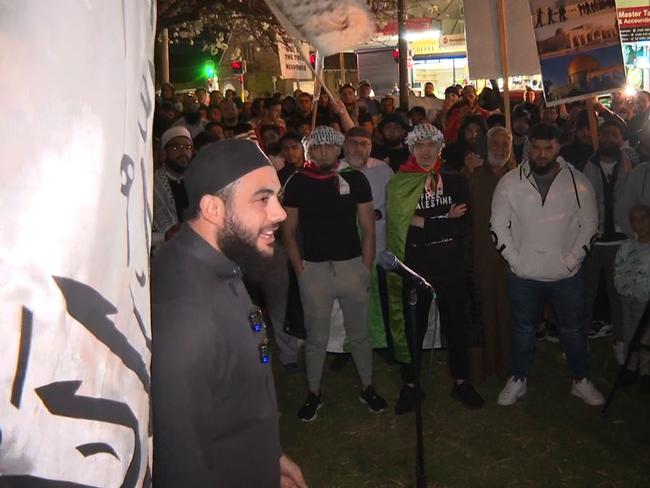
pixel 170 197
pixel 215 415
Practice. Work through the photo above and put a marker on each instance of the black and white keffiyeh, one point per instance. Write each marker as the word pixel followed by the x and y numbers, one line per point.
pixel 424 132
pixel 323 134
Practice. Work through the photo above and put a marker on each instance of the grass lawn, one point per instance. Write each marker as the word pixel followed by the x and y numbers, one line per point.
pixel 549 438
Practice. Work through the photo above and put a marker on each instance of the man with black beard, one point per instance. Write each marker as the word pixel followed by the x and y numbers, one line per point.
pixel 333 208
pixel 607 170
pixel 393 151
pixel 169 195
pixel 544 215
pixel 215 413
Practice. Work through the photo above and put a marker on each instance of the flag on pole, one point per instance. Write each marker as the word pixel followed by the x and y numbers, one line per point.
pixel 77 93
pixel 330 26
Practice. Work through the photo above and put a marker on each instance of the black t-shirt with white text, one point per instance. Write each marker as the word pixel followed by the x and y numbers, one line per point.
pixel 443 247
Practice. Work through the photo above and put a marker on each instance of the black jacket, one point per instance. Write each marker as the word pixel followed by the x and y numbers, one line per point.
pixel 215 417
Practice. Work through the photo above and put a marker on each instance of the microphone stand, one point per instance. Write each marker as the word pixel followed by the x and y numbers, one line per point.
pixel 412 282
pixel 412 302
pixel 635 344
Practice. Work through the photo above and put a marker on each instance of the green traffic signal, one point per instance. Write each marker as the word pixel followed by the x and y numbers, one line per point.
pixel 209 69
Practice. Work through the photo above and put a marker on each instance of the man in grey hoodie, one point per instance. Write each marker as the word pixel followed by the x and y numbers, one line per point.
pixel 608 170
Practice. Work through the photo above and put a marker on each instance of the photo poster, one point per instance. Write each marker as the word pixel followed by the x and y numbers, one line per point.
pixel 579 48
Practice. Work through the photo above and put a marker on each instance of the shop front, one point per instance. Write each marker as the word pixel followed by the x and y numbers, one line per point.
pixel 441 61
pixel 634 24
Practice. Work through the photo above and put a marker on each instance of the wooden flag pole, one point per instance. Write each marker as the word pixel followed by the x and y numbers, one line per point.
pixel 317 89
pixel 164 58
pixel 503 46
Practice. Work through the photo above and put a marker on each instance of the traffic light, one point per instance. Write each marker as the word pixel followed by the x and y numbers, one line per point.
pixel 209 69
pixel 238 67
pixel 312 59
pixel 396 55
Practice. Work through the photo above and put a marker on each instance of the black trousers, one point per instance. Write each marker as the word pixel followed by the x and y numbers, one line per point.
pixel 452 298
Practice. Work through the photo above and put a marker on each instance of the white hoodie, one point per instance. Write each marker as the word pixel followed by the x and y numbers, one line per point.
pixel 544 241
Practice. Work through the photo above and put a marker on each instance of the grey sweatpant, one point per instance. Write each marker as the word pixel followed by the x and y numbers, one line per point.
pixel 321 283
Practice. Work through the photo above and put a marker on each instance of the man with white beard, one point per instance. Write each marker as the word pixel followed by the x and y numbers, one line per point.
pixel 489 280
pixel 357 147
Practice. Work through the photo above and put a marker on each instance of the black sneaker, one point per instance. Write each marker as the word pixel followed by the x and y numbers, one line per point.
pixel 600 329
pixel 339 361
pixel 309 411
pixel 540 332
pixel 374 402
pixel 467 395
pixel 551 333
pixel 406 401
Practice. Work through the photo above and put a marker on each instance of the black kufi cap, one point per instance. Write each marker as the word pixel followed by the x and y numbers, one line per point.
pixel 219 164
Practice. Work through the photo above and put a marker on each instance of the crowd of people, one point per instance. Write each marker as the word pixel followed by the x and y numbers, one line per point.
pixel 529 234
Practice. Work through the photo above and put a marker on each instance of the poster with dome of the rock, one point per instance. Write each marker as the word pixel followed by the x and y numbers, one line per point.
pixel 579 48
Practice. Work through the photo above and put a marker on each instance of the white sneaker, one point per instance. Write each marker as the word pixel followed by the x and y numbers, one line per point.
pixel 619 352
pixel 586 390
pixel 513 390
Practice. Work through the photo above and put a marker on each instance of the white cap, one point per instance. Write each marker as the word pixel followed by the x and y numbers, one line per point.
pixel 172 132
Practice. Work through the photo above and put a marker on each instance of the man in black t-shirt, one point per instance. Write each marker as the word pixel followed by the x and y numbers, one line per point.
pixel 333 207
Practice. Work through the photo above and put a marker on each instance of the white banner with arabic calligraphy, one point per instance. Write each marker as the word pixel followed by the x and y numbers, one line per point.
pixel 331 26
pixel 77 99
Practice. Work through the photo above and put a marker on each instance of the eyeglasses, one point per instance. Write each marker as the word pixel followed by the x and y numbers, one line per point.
pixel 258 326
pixel 180 147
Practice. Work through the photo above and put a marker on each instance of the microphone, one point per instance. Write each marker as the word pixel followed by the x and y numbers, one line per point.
pixel 389 262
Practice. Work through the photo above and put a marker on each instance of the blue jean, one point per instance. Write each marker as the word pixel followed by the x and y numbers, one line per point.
pixel 527 297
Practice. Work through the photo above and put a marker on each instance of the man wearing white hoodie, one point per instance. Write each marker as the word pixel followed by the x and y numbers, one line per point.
pixel 544 217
